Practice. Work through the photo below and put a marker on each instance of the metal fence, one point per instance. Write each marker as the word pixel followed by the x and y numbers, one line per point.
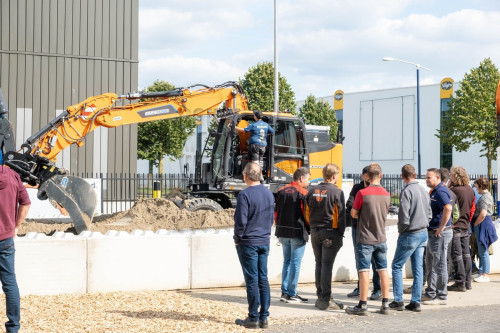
pixel 120 191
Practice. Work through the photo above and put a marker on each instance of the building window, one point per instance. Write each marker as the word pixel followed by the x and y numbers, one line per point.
pixel 446 150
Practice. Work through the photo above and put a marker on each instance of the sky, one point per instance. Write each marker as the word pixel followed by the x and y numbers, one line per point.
pixel 323 45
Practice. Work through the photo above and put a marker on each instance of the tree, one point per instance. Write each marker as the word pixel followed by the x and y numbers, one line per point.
pixel 258 84
pixel 163 137
pixel 317 112
pixel 471 117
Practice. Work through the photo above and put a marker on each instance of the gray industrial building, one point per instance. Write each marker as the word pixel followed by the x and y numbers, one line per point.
pixel 56 53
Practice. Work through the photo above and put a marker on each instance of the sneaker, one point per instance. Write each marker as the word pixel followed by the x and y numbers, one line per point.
pixel 457 287
pixel 385 310
pixel 247 323
pixel 263 324
pixel 408 290
pixel 475 275
pixel 482 278
pixel 398 306
pixel 426 297
pixel 376 294
pixel 356 310
pixel 283 297
pixel 436 301
pixel 295 299
pixel 413 306
pixel 468 287
pixel 354 293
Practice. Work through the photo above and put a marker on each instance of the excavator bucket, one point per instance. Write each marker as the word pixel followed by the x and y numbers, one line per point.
pixel 75 195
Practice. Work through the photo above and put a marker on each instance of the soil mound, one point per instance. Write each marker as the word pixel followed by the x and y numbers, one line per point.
pixel 146 214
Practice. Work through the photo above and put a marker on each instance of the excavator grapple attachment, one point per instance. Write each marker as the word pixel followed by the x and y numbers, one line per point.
pixel 75 195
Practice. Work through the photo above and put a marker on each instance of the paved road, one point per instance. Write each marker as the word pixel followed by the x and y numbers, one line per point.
pixel 442 318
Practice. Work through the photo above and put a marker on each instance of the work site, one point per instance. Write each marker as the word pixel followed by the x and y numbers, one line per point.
pixel 193 168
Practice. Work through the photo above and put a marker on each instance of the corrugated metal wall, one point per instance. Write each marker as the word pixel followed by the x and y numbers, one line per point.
pixel 56 53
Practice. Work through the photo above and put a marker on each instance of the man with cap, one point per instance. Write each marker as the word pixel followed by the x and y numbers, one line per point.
pixel 258 137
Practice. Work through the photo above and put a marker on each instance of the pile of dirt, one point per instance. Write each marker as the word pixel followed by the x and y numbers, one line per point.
pixel 146 214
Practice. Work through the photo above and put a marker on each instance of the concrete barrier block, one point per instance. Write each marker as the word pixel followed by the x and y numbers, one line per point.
pixel 50 265
pixel 214 261
pixel 138 263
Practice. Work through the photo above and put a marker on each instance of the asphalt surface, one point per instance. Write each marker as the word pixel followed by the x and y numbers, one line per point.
pixel 477 310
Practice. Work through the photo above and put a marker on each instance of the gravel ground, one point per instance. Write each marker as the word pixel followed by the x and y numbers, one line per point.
pixel 149 311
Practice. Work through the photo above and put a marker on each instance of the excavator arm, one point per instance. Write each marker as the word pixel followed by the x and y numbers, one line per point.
pixel 35 160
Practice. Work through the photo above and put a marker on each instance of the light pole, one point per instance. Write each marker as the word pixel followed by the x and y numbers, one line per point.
pixel 418 66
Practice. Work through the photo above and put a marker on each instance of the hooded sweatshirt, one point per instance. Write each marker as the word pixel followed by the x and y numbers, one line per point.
pixel 12 194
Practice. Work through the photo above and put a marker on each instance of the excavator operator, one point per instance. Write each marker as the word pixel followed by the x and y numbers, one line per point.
pixel 258 137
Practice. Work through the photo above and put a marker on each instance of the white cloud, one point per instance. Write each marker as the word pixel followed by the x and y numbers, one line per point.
pixel 323 45
pixel 181 71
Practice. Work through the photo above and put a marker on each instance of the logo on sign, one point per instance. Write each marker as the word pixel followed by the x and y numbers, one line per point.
pixel 339 96
pixel 446 85
pixel 64 182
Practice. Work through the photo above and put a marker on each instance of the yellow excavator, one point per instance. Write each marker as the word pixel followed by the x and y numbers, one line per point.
pixel 218 181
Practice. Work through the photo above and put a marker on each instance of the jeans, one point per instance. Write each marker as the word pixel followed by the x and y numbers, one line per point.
pixel 376 277
pixel 371 253
pixel 437 276
pixel 9 285
pixel 326 243
pixel 461 256
pixel 483 254
pixel 410 245
pixel 253 260
pixel 293 251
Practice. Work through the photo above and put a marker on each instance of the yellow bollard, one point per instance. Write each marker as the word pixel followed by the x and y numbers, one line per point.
pixel 156 190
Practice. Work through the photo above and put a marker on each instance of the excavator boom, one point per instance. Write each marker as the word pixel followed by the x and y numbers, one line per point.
pixel 35 160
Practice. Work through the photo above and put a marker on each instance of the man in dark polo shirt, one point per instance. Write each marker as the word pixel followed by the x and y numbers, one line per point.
pixel 440 234
pixel 460 251
pixel 370 207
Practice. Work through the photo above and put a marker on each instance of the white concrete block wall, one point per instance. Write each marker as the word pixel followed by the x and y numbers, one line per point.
pixel 51 265
pixel 122 262
pixel 164 260
pixel 214 261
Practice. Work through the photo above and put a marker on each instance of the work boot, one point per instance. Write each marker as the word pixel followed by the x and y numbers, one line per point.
pixel 398 306
pixel 413 306
pixel 457 287
pixel 356 310
pixel 247 323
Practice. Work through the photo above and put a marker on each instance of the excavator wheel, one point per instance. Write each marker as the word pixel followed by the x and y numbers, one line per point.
pixel 196 204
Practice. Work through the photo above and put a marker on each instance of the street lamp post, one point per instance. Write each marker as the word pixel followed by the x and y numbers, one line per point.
pixel 418 66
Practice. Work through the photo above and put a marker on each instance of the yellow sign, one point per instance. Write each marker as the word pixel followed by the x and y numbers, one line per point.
pixel 446 87
pixel 338 100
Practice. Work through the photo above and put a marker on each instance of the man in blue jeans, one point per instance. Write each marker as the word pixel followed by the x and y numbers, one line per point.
pixel 13 210
pixel 439 238
pixel 253 220
pixel 293 232
pixel 413 219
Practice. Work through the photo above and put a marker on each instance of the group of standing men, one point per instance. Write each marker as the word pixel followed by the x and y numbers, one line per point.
pixel 424 225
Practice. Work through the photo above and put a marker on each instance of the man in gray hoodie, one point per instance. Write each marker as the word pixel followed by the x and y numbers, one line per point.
pixel 413 219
